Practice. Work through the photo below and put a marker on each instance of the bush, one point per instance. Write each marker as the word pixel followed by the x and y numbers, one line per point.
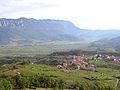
pixel 5 85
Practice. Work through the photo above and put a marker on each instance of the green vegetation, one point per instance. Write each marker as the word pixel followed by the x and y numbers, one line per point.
pixel 31 51
pixel 43 76
pixel 40 71
pixel 43 48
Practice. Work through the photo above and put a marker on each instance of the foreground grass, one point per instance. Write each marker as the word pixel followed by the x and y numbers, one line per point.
pixel 39 89
pixel 74 75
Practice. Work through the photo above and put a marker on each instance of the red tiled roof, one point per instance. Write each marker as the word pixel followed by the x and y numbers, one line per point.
pixel 63 70
pixel 59 66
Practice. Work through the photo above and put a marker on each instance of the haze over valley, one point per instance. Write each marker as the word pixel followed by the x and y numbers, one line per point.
pixel 32 32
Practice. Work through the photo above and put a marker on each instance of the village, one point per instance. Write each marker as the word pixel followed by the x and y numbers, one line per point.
pixel 81 62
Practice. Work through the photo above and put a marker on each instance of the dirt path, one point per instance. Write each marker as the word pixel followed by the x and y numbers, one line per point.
pixel 117 83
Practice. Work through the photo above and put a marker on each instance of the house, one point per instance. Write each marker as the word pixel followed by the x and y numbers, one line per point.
pixel 65 65
pixel 117 60
pixel 64 70
pixel 78 67
pixel 59 66
pixel 70 56
pixel 91 68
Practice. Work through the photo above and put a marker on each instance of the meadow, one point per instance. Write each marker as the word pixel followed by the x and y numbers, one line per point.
pixel 102 74
pixel 42 48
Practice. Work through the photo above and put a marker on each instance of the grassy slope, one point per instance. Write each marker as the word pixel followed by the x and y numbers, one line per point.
pixel 39 89
pixel 75 75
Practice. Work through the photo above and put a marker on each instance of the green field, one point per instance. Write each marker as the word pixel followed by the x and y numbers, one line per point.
pixel 53 71
pixel 103 74
pixel 32 71
pixel 43 48
pixel 39 89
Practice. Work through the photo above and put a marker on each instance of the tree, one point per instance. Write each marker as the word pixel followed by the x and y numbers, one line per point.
pixel 21 81
pixel 56 88
pixel 5 85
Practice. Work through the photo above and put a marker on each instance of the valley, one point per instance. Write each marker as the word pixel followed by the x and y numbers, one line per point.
pixel 59 45
pixel 27 32
pixel 55 54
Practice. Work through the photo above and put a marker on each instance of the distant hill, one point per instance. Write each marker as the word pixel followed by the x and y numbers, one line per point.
pixel 106 41
pixel 24 31
pixel 113 43
pixel 31 31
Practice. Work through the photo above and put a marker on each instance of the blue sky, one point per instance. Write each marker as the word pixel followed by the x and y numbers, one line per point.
pixel 88 14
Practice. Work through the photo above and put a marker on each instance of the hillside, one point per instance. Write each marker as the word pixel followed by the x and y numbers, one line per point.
pixel 31 31
pixel 61 70
pixel 113 43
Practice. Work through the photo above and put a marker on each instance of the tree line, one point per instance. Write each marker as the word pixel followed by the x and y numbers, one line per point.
pixel 21 81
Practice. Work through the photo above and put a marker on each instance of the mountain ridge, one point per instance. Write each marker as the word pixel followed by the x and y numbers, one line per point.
pixel 25 31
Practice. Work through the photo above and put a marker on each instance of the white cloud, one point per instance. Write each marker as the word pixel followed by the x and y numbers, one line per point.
pixel 93 14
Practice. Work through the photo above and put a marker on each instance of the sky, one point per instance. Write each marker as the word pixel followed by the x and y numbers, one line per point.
pixel 86 14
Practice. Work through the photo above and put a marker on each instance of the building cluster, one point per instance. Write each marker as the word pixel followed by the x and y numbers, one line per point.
pixel 117 60
pixel 77 62
pixel 80 62
pixel 102 57
pixel 110 58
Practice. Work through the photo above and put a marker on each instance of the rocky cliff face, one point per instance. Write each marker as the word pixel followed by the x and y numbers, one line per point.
pixel 10 24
